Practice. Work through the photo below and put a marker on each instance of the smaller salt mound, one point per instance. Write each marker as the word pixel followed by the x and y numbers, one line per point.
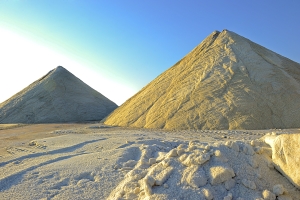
pixel 195 170
pixel 59 96
pixel 286 155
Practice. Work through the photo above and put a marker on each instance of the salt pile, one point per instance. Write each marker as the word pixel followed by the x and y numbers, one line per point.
pixel 226 82
pixel 221 170
pixel 59 96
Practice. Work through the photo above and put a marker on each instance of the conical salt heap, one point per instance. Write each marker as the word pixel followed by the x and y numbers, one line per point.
pixel 226 82
pixel 59 96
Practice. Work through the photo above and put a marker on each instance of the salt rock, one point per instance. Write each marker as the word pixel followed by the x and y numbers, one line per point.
pixel 172 153
pixel 147 184
pixel 194 176
pixel 163 176
pixel 202 158
pixel 130 195
pixel 181 146
pixel 267 195
pixel 218 153
pixel 219 156
pixel 207 194
pixel 166 162
pixel 180 152
pixel 207 147
pixel 194 159
pixel 278 189
pixel 33 143
pixel 249 184
pixel 286 155
pixel 284 197
pixel 150 180
pixel 220 174
pixel 247 149
pixel 228 197
pixel 191 148
pixel 234 146
pixel 183 157
pixel 229 184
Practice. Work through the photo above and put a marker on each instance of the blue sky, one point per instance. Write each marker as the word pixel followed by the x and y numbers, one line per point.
pixel 117 47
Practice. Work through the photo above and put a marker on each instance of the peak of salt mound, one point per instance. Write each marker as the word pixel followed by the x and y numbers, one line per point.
pixel 59 96
pixel 226 82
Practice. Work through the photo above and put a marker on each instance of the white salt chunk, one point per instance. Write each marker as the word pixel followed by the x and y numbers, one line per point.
pixel 220 174
pixel 163 176
pixel 172 153
pixel 228 197
pixel 229 184
pixel 278 189
pixel 249 184
pixel 207 194
pixel 267 195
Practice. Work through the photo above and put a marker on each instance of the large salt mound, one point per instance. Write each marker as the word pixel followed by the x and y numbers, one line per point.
pixel 227 82
pixel 59 96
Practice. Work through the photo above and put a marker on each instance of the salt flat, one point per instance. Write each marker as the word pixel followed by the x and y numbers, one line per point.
pixel 96 161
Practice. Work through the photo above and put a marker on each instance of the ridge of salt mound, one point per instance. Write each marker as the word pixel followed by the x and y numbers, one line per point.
pixel 226 82
pixel 59 96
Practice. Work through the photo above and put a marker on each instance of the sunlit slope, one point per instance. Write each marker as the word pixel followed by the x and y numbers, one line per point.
pixel 226 82
pixel 59 96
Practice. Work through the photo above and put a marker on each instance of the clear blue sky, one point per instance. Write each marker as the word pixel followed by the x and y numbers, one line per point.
pixel 117 47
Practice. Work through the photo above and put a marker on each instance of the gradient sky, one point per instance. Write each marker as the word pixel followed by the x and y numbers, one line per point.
pixel 117 46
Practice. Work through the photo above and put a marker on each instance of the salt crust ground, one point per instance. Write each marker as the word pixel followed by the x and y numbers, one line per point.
pixel 95 161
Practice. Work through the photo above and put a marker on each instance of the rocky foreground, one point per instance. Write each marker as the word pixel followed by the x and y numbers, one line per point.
pixel 95 161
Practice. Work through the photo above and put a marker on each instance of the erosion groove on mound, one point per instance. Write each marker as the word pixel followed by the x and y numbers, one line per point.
pixel 226 82
pixel 59 96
